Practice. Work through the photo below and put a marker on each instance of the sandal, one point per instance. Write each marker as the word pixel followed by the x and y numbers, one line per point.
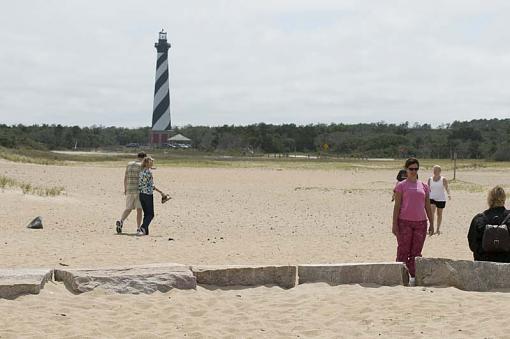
pixel 165 198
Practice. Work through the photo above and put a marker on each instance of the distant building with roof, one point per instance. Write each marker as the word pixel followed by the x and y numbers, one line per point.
pixel 180 140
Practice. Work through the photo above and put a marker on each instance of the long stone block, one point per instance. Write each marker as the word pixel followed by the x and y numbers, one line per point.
pixel 18 282
pixel 384 274
pixel 239 275
pixel 466 275
pixel 133 280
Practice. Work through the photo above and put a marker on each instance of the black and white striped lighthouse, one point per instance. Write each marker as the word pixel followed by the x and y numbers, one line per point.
pixel 161 122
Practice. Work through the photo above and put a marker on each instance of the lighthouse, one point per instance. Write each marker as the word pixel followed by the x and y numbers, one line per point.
pixel 161 122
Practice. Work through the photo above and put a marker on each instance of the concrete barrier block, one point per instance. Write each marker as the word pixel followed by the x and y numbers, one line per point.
pixel 133 280
pixel 466 275
pixel 239 275
pixel 18 282
pixel 384 274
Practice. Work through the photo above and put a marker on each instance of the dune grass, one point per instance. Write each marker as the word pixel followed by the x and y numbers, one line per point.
pixel 27 188
pixel 6 182
pixel 319 164
pixel 459 185
pixel 195 159
pixel 28 157
pixel 51 158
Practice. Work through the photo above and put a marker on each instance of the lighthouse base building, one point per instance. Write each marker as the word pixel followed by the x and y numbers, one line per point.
pixel 161 120
pixel 159 138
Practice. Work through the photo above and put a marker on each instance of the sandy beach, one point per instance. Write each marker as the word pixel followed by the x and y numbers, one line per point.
pixel 237 216
pixel 315 310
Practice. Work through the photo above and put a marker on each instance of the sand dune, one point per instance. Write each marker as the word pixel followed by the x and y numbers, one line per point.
pixel 315 310
pixel 217 216
pixel 237 216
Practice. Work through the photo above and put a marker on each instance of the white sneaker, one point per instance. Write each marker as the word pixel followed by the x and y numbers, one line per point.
pixel 412 282
pixel 140 232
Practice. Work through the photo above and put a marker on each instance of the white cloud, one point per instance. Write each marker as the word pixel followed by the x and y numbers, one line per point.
pixel 236 62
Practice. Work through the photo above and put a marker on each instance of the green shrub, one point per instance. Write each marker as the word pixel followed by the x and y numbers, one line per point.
pixel 502 153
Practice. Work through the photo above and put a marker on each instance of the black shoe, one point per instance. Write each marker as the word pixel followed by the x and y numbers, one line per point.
pixel 119 226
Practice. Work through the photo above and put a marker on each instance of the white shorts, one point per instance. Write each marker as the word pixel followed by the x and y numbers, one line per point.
pixel 133 201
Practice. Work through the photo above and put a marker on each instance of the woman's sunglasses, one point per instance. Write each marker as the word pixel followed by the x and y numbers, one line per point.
pixel 413 169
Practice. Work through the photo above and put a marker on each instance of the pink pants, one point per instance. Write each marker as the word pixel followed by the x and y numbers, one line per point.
pixel 410 238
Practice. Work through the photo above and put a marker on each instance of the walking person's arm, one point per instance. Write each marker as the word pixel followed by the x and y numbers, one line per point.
pixel 151 181
pixel 125 181
pixel 154 185
pixel 475 236
pixel 164 197
pixel 396 212
pixel 428 209
pixel 447 188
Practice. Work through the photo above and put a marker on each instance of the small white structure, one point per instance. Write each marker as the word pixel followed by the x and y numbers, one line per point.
pixel 179 140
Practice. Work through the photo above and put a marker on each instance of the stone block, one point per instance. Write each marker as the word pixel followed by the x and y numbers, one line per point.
pixel 17 282
pixel 129 280
pixel 384 274
pixel 466 275
pixel 239 275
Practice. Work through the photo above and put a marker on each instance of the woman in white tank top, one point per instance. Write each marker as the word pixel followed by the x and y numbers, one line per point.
pixel 438 189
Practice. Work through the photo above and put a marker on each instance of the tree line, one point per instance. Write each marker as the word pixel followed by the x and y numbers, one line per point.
pixel 475 139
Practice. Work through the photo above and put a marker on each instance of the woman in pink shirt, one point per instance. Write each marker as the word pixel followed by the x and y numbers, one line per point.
pixel 410 214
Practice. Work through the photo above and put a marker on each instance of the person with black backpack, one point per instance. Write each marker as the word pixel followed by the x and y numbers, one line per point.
pixel 488 235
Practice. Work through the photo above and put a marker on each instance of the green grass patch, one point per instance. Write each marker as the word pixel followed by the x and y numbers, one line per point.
pixel 51 158
pixel 28 157
pixel 196 159
pixel 317 164
pixel 459 185
pixel 6 182
pixel 27 188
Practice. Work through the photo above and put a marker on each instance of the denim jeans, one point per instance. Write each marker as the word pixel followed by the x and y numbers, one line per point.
pixel 147 202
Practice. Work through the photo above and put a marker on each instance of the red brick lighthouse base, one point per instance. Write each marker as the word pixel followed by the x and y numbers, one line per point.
pixel 159 137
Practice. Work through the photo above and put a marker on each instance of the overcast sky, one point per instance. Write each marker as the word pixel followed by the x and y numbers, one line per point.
pixel 92 62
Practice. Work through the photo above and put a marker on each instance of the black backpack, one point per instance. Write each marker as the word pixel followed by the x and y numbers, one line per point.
pixel 496 238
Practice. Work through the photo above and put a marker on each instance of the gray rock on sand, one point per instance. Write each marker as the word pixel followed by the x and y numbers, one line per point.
pixel 36 224
pixel 130 280
pixel 18 282
pixel 384 274
pixel 481 276
pixel 238 275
